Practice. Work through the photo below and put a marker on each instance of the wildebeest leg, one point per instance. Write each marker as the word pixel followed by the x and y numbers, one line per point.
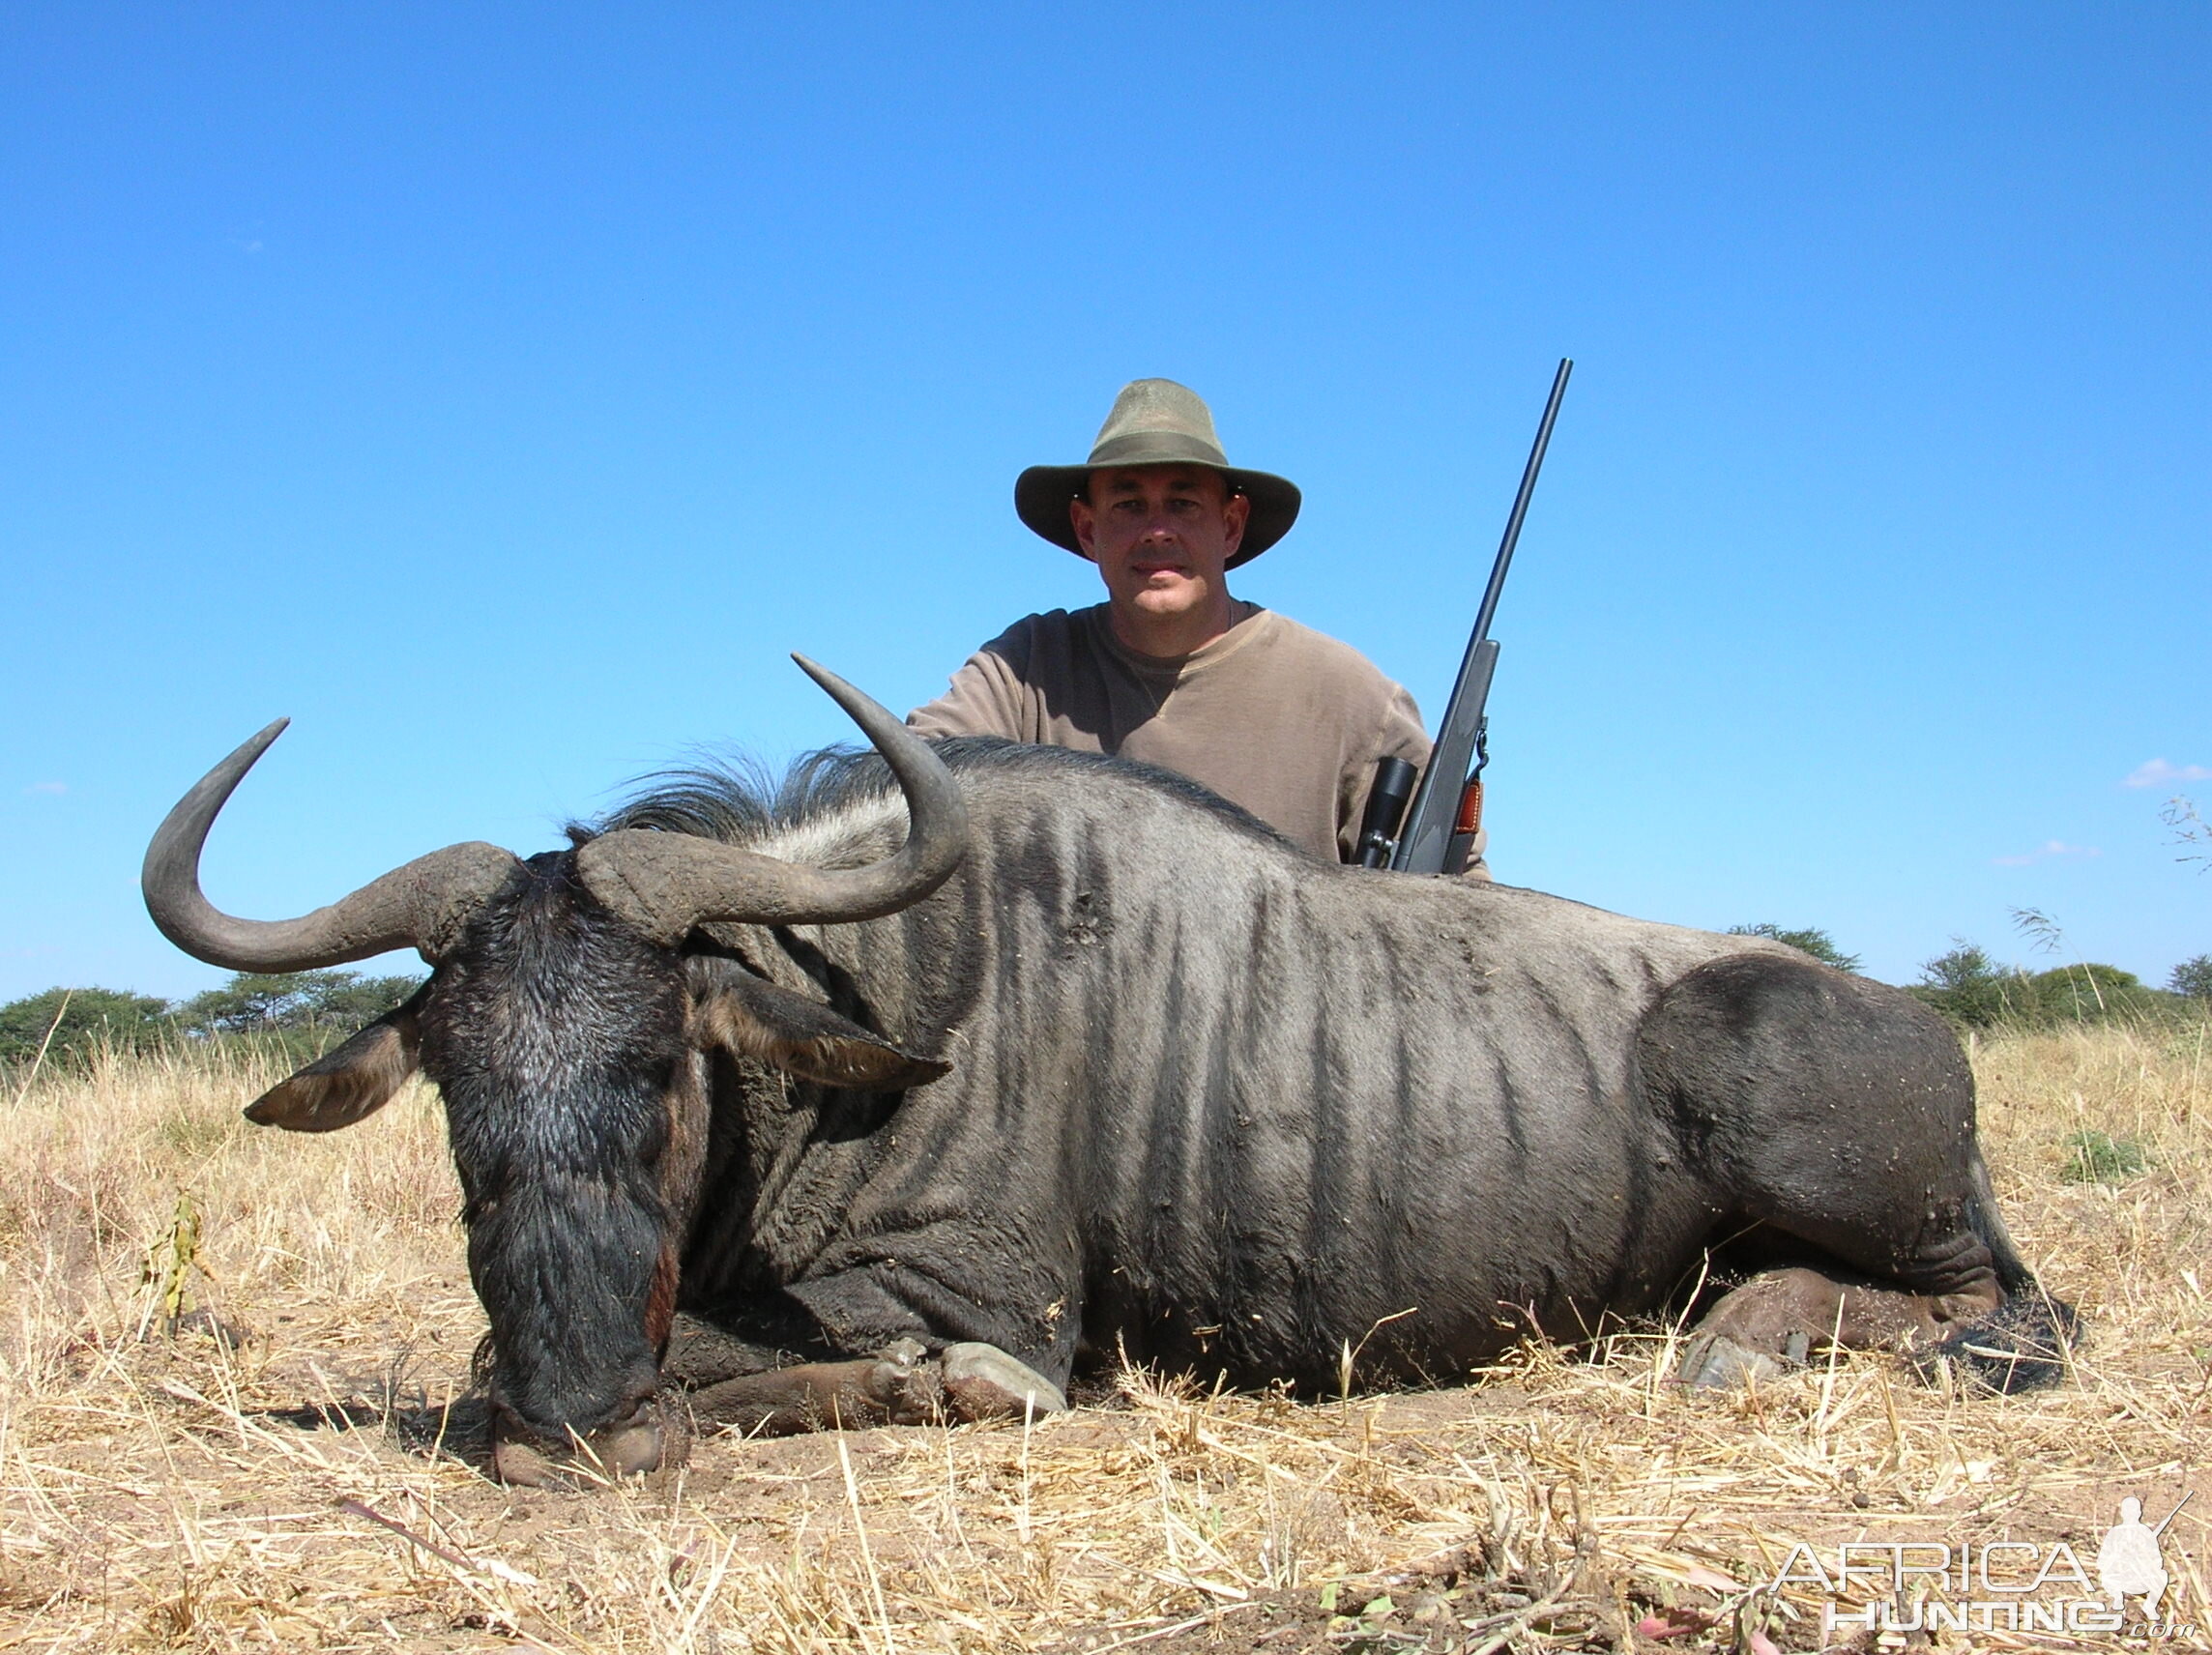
pixel 1775 1320
pixel 1810 1106
pixel 899 1386
pixel 968 1382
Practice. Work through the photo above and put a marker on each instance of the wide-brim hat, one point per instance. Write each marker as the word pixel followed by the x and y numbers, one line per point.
pixel 1156 421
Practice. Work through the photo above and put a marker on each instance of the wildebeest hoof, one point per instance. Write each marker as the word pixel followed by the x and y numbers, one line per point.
pixel 981 1382
pixel 1716 1363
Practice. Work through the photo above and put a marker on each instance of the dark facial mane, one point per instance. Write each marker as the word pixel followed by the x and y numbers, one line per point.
pixel 555 1037
pixel 740 801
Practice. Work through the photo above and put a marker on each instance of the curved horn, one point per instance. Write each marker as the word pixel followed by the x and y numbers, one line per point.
pixel 422 905
pixel 664 883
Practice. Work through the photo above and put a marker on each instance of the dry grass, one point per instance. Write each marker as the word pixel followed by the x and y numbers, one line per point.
pixel 318 1490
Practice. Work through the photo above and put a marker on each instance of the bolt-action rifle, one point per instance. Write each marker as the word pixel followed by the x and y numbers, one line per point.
pixel 1440 832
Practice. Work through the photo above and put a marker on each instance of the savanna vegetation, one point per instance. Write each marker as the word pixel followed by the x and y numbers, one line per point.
pixel 1974 990
pixel 236 1413
pixel 291 1014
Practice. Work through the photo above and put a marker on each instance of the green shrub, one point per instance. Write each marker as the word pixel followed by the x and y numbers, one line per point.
pixel 1811 940
pixel 1976 992
pixel 2087 992
pixel 2095 1157
pixel 79 1020
pixel 1971 989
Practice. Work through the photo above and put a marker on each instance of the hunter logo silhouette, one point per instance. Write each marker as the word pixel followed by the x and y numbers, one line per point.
pixel 2128 1562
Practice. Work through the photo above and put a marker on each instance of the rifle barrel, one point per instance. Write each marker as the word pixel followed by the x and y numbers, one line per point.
pixel 2171 1515
pixel 1423 847
pixel 1489 610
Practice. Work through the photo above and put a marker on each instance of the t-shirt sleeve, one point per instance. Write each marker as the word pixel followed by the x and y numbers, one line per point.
pixel 986 697
pixel 1398 733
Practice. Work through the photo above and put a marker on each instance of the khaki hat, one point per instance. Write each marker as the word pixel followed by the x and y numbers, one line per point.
pixel 1156 421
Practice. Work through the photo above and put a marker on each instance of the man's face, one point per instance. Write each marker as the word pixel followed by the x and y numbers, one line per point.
pixel 1160 534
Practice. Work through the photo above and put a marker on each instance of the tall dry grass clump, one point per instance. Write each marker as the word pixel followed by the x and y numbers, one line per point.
pixel 316 1487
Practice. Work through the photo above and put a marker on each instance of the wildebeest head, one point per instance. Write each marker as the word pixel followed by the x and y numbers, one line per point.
pixel 562 1022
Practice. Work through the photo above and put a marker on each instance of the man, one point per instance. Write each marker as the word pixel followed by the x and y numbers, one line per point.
pixel 1172 669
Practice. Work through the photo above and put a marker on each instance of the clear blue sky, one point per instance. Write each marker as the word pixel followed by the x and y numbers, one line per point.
pixel 502 390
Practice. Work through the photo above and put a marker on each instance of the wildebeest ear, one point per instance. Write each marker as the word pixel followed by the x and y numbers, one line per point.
pixel 348 1083
pixel 803 1037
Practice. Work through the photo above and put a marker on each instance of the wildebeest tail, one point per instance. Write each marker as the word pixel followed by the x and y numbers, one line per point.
pixel 2023 1344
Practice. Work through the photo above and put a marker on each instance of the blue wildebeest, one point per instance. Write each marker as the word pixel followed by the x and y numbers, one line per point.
pixel 1038 1053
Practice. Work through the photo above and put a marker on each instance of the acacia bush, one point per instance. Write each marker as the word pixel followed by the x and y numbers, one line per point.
pixel 1808 940
pixel 257 1003
pixel 294 1015
pixel 67 1024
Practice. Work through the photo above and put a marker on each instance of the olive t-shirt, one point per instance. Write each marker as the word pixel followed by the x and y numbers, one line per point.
pixel 1271 715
